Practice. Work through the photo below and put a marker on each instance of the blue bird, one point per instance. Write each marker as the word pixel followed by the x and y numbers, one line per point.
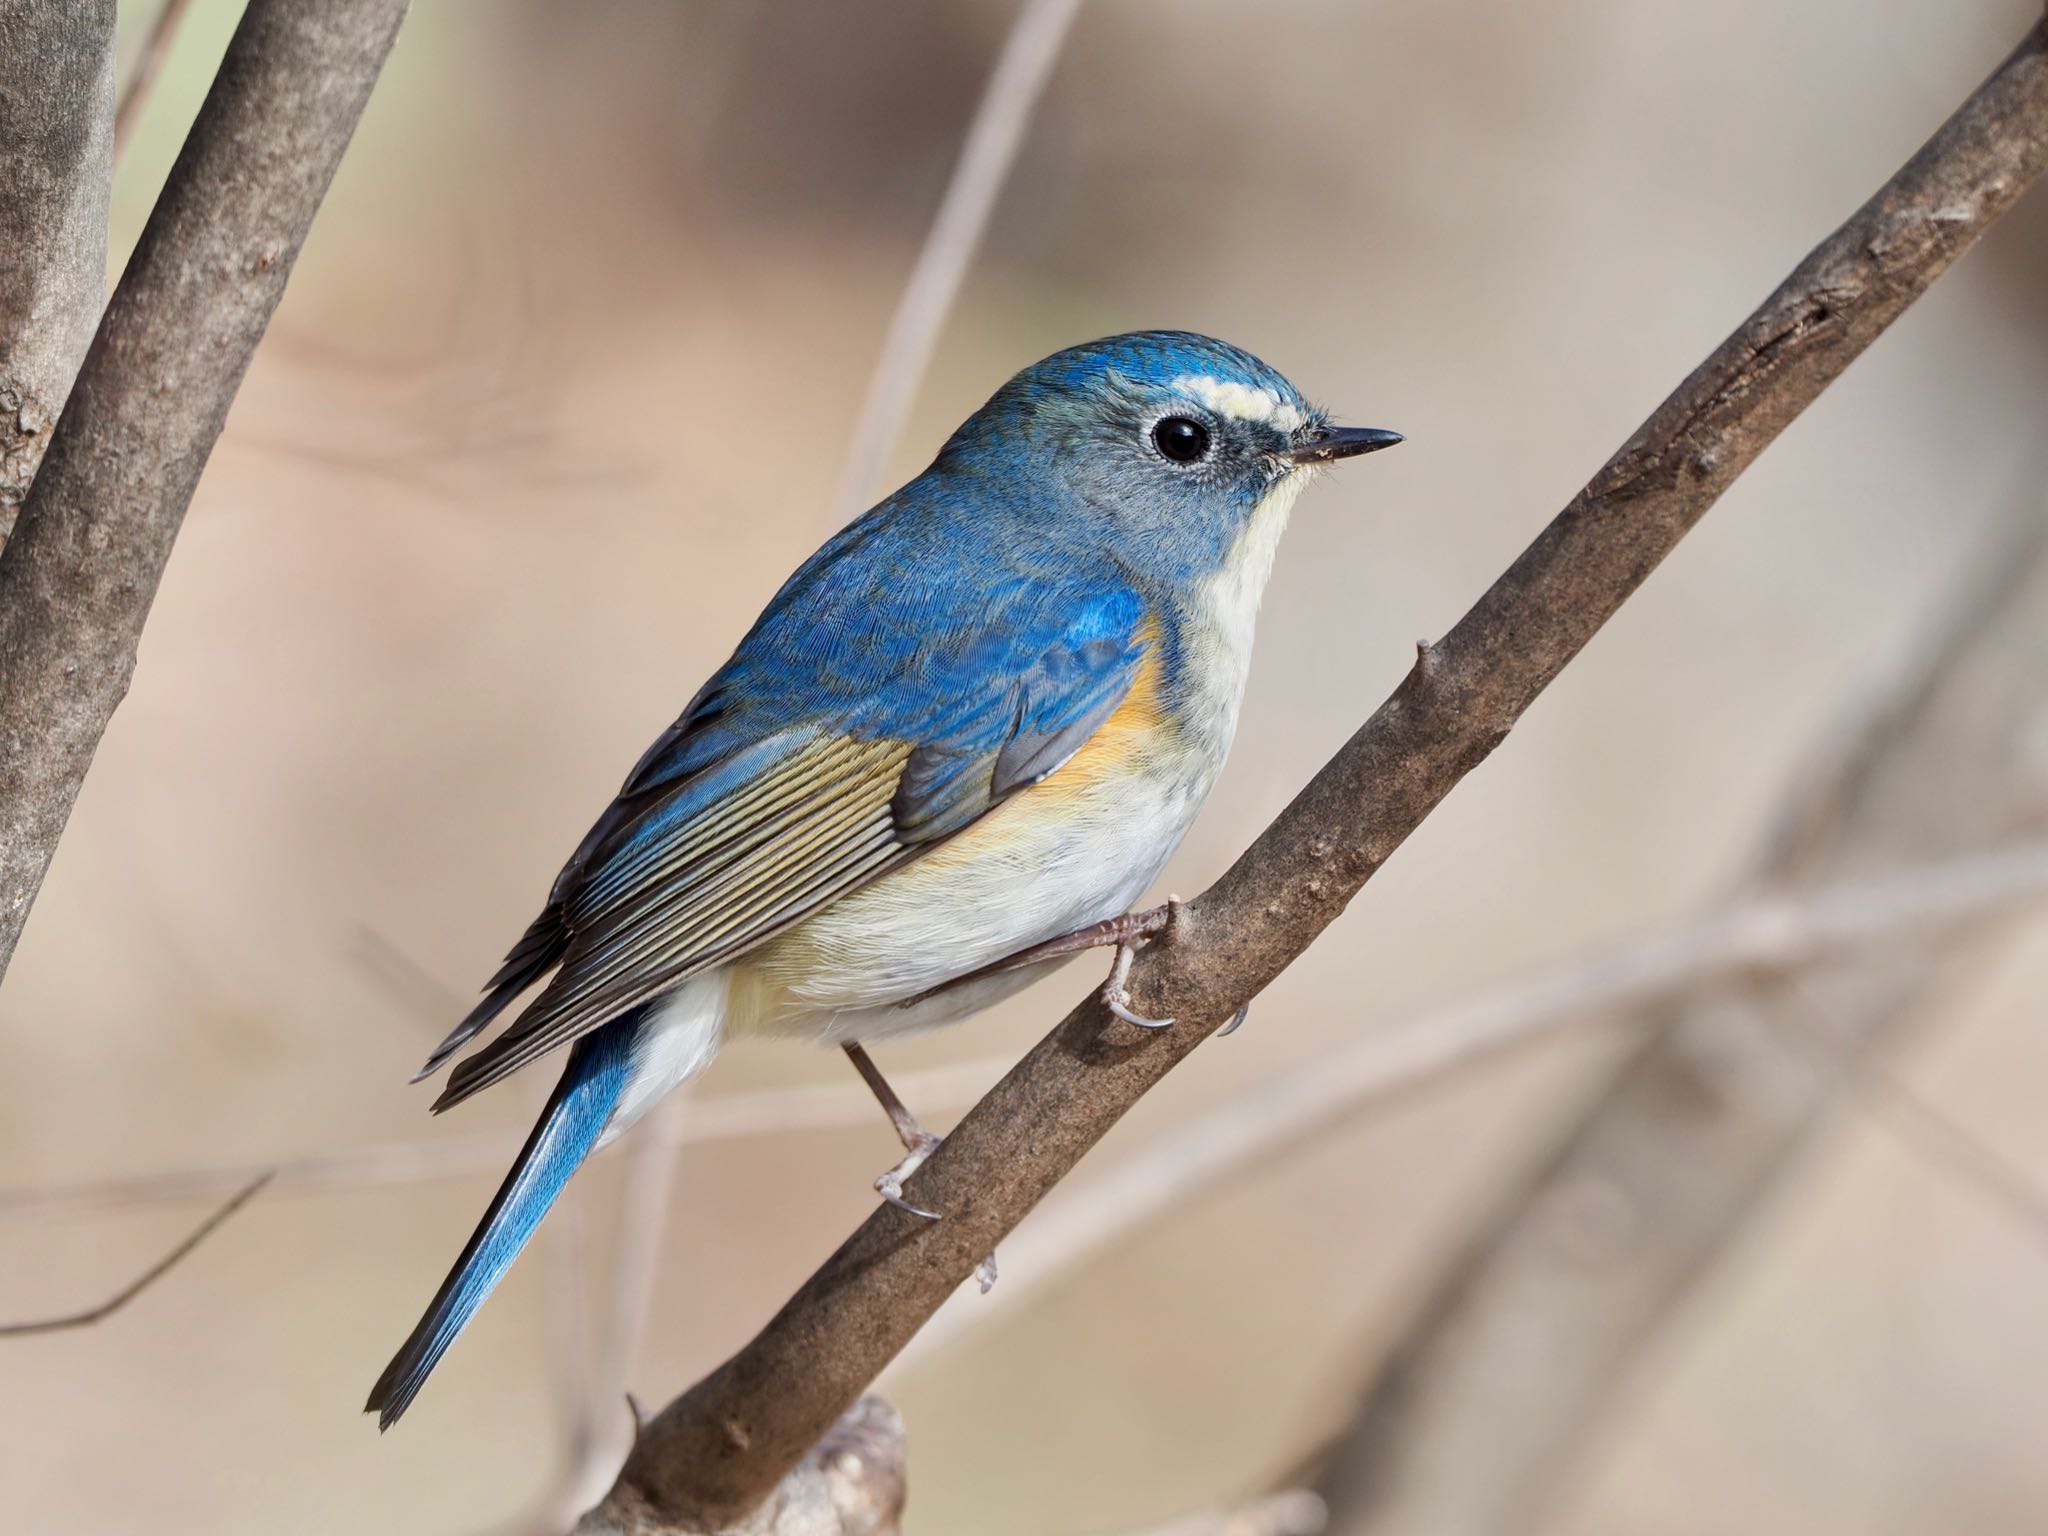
pixel 980 718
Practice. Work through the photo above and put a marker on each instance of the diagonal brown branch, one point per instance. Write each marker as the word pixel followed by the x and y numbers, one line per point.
pixel 147 1278
pixel 78 577
pixel 1938 903
pixel 719 1450
pixel 1527 1336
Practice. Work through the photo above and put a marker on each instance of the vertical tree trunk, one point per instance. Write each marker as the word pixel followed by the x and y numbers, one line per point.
pixel 56 176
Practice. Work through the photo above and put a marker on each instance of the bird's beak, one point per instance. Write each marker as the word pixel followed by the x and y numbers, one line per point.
pixel 1325 444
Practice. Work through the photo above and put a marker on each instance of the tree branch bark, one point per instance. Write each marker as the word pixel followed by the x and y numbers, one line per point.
pixel 78 577
pixel 718 1451
pixel 56 177
pixel 1476 1419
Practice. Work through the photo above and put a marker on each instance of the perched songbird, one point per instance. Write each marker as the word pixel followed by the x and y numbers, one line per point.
pixel 980 718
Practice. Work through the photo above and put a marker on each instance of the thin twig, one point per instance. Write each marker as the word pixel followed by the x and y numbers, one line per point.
pixel 147 1278
pixel 156 47
pixel 816 1107
pixel 1920 1125
pixel 718 1452
pixel 1293 1512
pixel 986 155
pixel 1297 1107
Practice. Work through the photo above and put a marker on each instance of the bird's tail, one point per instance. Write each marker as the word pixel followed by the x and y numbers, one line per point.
pixel 569 1128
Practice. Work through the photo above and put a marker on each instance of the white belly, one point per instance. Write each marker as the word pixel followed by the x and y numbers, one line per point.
pixel 1037 866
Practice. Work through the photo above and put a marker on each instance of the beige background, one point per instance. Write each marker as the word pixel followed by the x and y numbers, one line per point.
pixel 558 396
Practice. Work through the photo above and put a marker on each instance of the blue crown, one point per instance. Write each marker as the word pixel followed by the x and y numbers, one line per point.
pixel 1157 358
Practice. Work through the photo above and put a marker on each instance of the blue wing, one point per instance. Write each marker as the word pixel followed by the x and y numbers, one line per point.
pixel 914 673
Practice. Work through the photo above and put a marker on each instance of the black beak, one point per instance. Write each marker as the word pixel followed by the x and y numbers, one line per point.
pixel 1329 443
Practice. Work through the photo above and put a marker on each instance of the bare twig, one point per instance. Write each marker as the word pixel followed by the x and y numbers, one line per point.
pixel 163 31
pixel 1479 1416
pixel 717 1452
pixel 1924 1127
pixel 146 1279
pixel 993 138
pixel 1257 1124
pixel 1296 1512
pixel 56 176
pixel 780 1111
pixel 77 579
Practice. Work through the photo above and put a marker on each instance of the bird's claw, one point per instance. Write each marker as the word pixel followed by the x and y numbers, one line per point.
pixel 890 1185
pixel 1116 992
pixel 1236 1019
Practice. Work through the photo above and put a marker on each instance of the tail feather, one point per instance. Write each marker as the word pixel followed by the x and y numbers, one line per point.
pixel 544 942
pixel 568 1130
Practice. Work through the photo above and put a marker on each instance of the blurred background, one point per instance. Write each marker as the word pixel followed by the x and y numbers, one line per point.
pixel 562 389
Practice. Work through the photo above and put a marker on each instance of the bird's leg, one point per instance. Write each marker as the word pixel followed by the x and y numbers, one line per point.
pixel 1116 994
pixel 918 1144
pixel 1128 928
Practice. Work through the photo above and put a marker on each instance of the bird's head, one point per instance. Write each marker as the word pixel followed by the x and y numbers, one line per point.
pixel 1169 444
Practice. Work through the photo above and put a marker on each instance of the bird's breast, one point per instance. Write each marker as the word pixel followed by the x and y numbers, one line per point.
pixel 1082 844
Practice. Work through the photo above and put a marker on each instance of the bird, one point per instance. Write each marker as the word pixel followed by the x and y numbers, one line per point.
pixel 958 744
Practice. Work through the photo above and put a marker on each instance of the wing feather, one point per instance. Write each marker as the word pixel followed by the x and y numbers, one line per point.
pixel 808 767
pixel 818 825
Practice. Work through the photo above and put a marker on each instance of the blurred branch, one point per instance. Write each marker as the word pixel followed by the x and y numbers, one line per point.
pixel 1764 935
pixel 820 1107
pixel 852 1483
pixel 716 1453
pixel 1295 1512
pixel 163 31
pixel 147 1278
pixel 993 138
pixel 56 177
pixel 78 577
pixel 1483 1408
pixel 1937 1137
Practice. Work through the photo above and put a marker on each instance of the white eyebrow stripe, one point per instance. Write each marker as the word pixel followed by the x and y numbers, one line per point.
pixel 1240 402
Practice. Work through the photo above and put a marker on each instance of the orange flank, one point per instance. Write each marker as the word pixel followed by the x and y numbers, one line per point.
pixel 1120 744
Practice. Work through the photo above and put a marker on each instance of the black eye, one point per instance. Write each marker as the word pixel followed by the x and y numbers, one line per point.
pixel 1181 439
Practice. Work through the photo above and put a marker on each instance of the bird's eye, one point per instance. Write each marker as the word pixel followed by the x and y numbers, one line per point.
pixel 1180 438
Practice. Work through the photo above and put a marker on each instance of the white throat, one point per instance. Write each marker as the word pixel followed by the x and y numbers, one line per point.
pixel 1227 609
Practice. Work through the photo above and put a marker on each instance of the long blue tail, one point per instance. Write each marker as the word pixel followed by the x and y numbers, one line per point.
pixel 567 1131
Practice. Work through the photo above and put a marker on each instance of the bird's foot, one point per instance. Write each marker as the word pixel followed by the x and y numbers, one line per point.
pixel 1126 928
pixel 1116 992
pixel 890 1185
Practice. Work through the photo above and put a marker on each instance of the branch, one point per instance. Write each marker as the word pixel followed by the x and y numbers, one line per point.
pixel 78 577
pixel 1534 1326
pixel 993 138
pixel 147 1278
pixel 56 177
pixel 1293 1512
pixel 163 31
pixel 1774 935
pixel 852 1483
pixel 719 1450
pixel 717 1117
